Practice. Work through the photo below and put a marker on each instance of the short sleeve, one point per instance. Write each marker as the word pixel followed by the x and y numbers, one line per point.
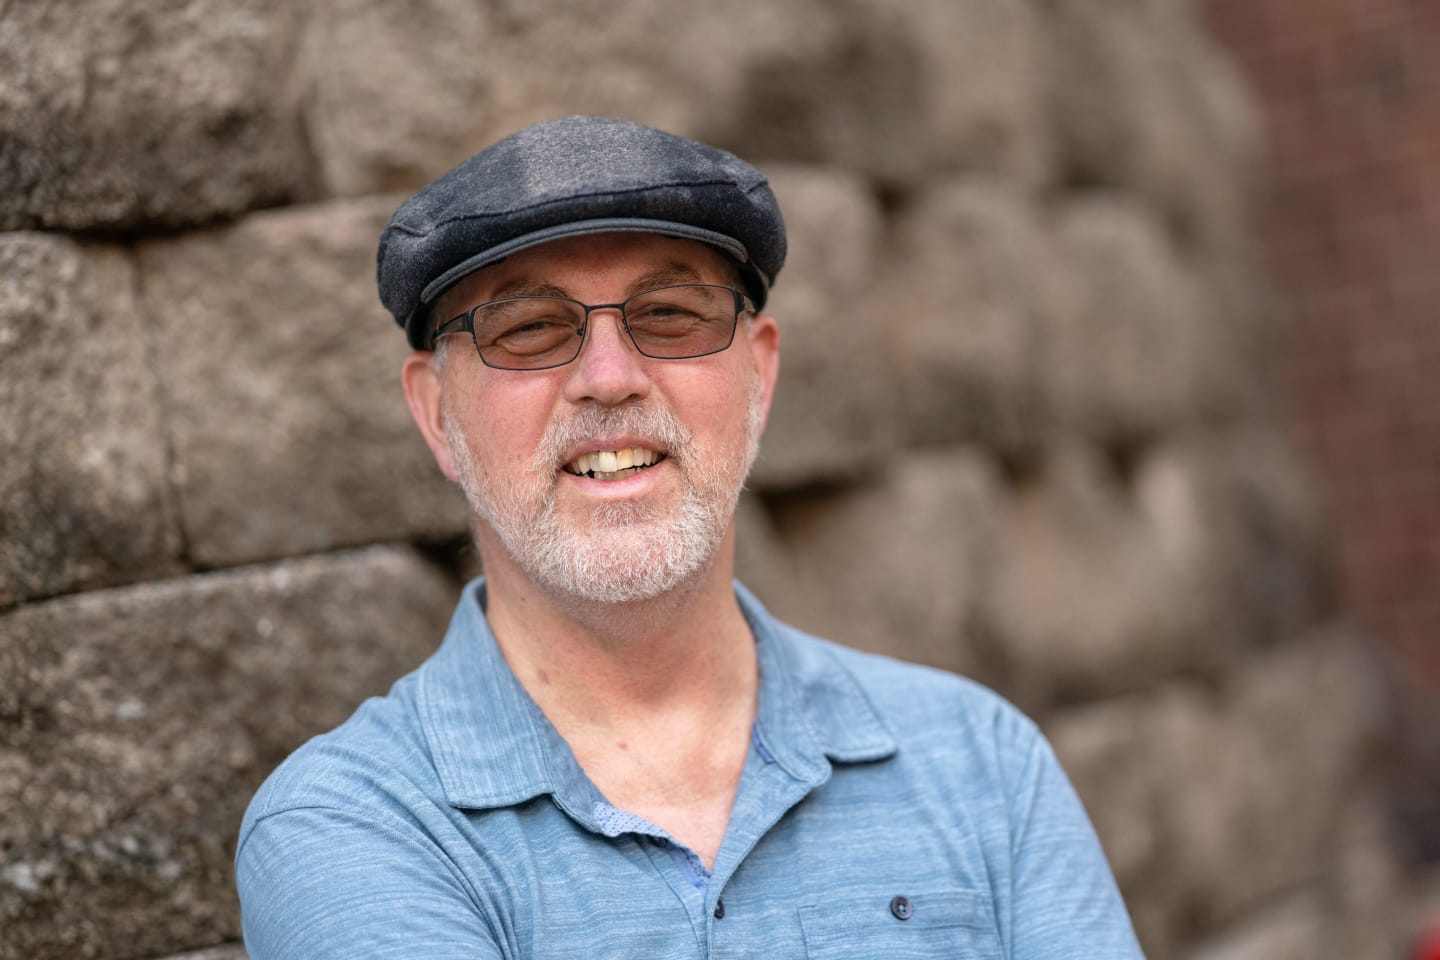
pixel 1066 904
pixel 318 883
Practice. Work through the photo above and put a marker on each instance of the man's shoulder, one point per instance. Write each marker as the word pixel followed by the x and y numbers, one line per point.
pixel 376 757
pixel 383 757
pixel 908 698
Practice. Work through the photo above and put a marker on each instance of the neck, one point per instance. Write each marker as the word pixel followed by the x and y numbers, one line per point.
pixel 688 650
pixel 656 698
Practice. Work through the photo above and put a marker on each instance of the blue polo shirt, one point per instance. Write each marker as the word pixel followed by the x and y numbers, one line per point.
pixel 885 810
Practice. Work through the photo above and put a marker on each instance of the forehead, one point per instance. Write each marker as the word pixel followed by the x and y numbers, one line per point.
pixel 577 266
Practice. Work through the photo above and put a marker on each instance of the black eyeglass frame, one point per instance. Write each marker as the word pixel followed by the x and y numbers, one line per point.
pixel 465 323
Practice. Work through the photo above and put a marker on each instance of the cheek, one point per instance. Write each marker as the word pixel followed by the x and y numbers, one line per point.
pixel 504 426
pixel 716 406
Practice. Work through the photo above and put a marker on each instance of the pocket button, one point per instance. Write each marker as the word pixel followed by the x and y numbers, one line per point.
pixel 900 907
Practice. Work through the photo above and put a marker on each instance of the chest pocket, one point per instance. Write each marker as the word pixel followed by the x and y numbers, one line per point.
pixel 955 924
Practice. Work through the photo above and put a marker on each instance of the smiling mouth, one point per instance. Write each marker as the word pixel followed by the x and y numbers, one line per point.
pixel 613 464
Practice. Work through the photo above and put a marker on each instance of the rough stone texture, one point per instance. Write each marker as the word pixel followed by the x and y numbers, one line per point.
pixel 1372 900
pixel 1145 102
pixel 898 92
pixel 1295 930
pixel 1090 595
pixel 969 281
pixel 896 565
pixel 1141 345
pixel 116 115
pixel 984 84
pixel 836 413
pixel 1102 746
pixel 1189 787
pixel 800 102
pixel 1235 506
pixel 137 722
pixel 281 376
pixel 443 78
pixel 416 71
pixel 892 93
pixel 1018 228
pixel 1106 749
pixel 761 561
pixel 1362 908
pixel 1113 571
pixel 1239 769
pixel 83 501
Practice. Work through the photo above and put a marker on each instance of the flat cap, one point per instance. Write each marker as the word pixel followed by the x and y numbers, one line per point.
pixel 570 177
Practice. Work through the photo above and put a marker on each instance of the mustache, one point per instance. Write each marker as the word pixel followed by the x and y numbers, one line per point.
pixel 653 423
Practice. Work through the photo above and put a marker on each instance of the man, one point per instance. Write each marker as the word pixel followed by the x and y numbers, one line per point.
pixel 616 751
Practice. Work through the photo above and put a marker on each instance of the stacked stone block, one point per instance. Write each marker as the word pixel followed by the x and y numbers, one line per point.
pixel 1022 427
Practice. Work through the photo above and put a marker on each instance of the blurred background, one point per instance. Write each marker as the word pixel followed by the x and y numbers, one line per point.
pixel 1109 329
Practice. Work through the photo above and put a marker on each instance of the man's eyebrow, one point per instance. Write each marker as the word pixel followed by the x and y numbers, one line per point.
pixel 666 276
pixel 528 288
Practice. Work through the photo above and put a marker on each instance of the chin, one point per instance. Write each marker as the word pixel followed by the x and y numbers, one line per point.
pixel 620 565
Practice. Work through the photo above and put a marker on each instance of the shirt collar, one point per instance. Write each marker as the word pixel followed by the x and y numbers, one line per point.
pixel 493 747
pixel 811 708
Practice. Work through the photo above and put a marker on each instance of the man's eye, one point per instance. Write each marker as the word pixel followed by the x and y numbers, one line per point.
pixel 665 320
pixel 534 336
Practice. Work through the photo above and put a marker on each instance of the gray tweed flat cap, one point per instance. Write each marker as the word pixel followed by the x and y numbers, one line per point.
pixel 570 177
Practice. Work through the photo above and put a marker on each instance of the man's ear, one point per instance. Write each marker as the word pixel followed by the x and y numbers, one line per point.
pixel 422 392
pixel 763 335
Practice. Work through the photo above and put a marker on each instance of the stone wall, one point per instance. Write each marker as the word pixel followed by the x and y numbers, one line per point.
pixel 1023 429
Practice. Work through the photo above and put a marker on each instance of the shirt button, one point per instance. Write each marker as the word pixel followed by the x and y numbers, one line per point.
pixel 720 909
pixel 900 906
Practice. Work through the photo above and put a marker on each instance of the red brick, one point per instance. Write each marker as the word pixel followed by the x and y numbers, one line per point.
pixel 1351 226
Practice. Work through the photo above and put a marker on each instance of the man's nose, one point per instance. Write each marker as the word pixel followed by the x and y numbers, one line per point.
pixel 609 369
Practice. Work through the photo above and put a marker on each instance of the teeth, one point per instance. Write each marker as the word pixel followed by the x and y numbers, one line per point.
pixel 609 464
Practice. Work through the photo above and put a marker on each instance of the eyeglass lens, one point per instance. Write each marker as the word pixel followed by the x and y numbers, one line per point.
pixel 672 323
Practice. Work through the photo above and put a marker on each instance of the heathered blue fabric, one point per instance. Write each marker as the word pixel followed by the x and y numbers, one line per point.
pixel 449 819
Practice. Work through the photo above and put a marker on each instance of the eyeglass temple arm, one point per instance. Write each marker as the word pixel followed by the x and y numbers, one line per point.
pixel 453 325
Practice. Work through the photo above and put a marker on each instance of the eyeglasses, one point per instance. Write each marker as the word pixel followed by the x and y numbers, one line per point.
pixel 537 333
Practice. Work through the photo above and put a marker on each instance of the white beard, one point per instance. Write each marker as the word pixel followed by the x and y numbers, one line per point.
pixel 622 552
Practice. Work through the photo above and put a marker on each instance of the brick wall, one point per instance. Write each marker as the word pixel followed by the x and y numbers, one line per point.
pixel 1351 225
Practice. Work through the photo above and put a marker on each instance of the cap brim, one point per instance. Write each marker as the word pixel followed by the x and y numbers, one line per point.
pixel 579 228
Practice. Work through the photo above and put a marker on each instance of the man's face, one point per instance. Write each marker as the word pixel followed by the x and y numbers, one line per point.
pixel 533 449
